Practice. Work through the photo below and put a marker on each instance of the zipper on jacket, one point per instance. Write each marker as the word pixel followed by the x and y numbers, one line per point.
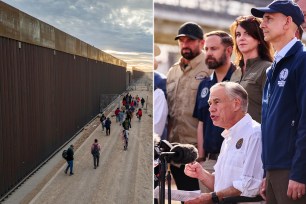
pixel 269 95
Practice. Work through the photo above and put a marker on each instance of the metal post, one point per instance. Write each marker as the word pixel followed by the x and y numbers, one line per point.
pixel 169 183
pixel 147 105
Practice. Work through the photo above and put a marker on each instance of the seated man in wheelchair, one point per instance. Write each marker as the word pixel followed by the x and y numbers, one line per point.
pixel 238 171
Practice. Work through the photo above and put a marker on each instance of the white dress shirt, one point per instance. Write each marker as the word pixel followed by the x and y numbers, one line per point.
pixel 239 163
pixel 160 111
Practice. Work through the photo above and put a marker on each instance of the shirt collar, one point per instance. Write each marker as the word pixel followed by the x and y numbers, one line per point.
pixel 279 55
pixel 228 75
pixel 230 133
pixel 194 62
pixel 249 62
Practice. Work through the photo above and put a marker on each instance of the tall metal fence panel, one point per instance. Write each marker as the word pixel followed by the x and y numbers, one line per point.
pixel 137 74
pixel 46 96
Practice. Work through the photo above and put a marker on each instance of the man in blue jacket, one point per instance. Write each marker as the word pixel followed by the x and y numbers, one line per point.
pixel 284 106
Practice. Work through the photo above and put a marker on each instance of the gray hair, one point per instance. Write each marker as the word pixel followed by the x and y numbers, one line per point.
pixel 234 90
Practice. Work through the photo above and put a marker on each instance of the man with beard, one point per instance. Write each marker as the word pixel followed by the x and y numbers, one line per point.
pixel 218 50
pixel 183 80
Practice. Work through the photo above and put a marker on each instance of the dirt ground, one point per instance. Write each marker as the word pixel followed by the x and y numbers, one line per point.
pixel 122 176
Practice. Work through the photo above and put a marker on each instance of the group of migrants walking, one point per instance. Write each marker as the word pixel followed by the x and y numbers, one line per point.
pixel 247 118
pixel 123 117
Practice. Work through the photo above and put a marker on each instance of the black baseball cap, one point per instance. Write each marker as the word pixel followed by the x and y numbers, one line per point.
pixel 286 7
pixel 191 30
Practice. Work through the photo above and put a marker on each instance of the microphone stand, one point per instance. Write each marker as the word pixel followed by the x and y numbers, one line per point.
pixel 164 160
pixel 169 184
pixel 162 179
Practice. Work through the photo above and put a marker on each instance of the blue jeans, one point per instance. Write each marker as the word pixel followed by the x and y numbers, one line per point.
pixel 70 165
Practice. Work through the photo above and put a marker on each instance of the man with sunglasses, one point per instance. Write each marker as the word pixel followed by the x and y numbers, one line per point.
pixel 183 80
pixel 284 106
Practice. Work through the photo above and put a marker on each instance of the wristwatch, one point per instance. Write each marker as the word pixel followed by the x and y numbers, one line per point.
pixel 214 198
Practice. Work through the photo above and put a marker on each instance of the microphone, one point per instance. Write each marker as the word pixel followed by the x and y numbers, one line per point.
pixel 184 153
pixel 163 147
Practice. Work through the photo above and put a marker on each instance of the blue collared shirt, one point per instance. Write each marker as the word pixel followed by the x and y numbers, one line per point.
pixel 279 55
pixel 212 134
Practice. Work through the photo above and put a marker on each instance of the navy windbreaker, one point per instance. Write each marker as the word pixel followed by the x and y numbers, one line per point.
pixel 284 115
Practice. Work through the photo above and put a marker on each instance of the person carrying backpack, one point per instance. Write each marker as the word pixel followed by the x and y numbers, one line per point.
pixel 69 160
pixel 126 124
pixel 95 151
pixel 129 115
pixel 108 123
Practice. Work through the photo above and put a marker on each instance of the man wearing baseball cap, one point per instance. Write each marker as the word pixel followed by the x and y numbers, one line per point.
pixel 183 80
pixel 284 106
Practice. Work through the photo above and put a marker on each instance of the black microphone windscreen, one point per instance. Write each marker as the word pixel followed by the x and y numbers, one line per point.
pixel 184 153
pixel 175 143
pixel 165 146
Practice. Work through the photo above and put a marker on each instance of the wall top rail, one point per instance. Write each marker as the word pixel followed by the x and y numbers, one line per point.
pixel 20 26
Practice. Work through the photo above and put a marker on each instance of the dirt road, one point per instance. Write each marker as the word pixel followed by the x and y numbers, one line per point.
pixel 122 177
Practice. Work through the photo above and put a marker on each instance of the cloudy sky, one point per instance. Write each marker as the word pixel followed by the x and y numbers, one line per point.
pixel 123 28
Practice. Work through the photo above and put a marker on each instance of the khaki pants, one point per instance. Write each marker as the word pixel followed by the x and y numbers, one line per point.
pixel 277 186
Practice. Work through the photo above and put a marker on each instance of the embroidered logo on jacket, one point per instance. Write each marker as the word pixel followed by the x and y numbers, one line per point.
pixel 282 77
pixel 204 92
pixel 201 75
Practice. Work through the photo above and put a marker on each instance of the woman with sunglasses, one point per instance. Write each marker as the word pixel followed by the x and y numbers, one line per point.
pixel 253 57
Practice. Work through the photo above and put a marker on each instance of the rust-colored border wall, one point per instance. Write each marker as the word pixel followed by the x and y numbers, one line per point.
pixel 20 26
pixel 46 96
pixel 137 73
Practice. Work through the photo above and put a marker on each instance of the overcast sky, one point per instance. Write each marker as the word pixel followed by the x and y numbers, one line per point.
pixel 123 28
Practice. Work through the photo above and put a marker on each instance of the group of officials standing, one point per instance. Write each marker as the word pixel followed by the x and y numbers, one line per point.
pixel 251 132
